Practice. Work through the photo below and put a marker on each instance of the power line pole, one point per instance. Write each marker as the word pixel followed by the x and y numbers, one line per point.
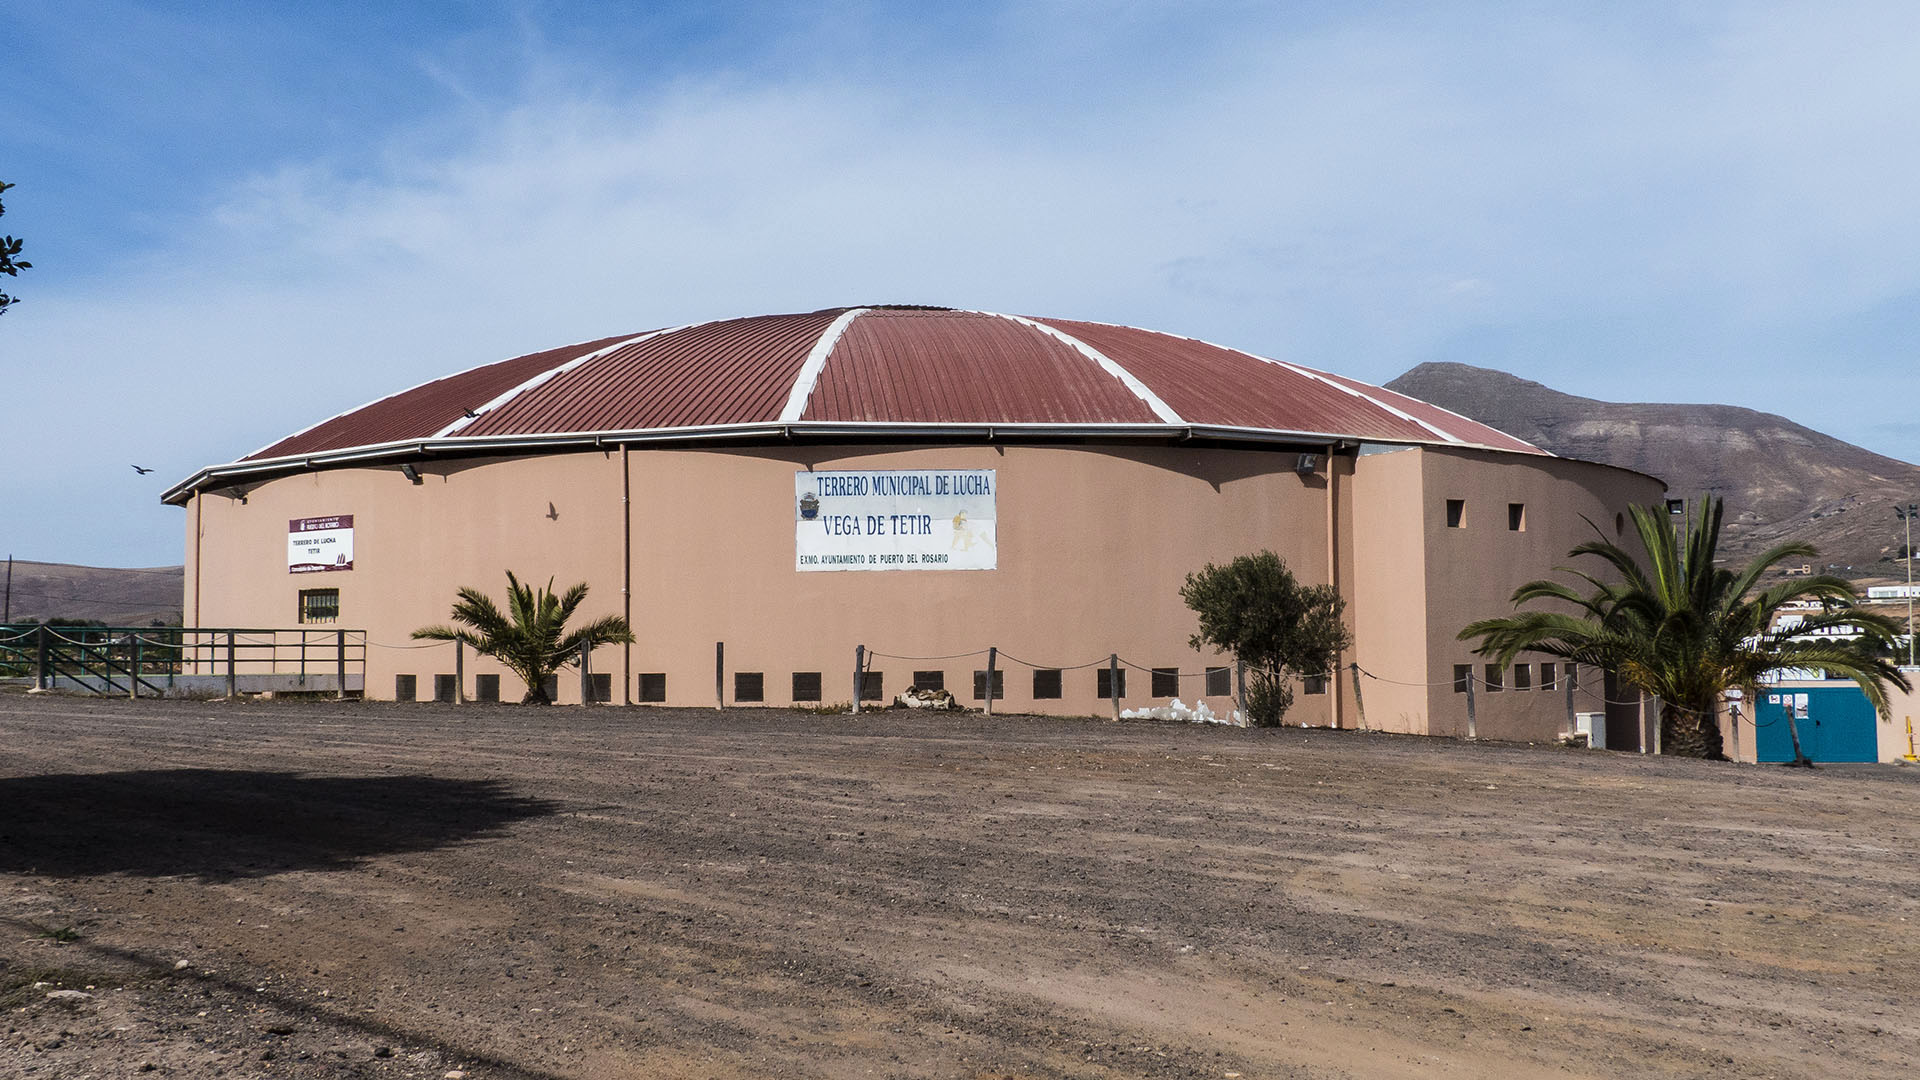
pixel 1906 516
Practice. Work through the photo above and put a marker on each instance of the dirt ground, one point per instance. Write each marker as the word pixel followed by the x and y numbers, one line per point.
pixel 276 889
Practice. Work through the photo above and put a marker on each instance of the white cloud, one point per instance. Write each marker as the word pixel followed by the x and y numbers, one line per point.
pixel 1599 203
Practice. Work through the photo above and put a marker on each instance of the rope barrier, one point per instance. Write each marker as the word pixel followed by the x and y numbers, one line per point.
pixel 954 656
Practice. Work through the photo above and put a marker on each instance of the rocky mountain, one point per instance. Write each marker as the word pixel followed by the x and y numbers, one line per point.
pixel 1780 480
pixel 115 596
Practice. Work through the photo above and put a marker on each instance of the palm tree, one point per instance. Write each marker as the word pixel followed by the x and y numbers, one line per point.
pixel 531 638
pixel 1687 631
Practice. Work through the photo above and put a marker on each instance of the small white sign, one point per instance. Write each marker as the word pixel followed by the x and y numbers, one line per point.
pixel 895 519
pixel 322 543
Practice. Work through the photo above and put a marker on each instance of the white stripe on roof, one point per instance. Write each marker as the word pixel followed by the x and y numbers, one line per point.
pixel 816 362
pixel 455 427
pixel 1160 408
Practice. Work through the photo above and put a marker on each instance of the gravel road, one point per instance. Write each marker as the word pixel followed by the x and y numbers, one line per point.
pixel 322 889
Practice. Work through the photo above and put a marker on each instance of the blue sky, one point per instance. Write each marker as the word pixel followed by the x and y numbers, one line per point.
pixel 244 217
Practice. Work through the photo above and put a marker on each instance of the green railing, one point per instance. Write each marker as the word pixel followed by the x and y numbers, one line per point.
pixel 137 661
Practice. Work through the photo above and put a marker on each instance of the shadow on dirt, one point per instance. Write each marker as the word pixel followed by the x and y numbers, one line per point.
pixel 219 825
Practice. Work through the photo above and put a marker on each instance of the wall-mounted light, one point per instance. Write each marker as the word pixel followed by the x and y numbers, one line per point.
pixel 412 474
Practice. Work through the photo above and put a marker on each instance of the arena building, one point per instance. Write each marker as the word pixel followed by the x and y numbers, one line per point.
pixel 926 483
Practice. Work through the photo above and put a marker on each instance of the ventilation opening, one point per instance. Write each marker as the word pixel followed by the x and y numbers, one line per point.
pixel 749 686
pixel 806 686
pixel 1219 682
pixel 406 687
pixel 486 688
pixel 653 686
pixel 1046 683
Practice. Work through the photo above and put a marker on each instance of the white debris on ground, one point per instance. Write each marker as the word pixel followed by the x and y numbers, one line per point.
pixel 1174 710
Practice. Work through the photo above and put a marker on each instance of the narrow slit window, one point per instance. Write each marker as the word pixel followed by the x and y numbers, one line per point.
pixel 1462 677
pixel 1523 676
pixel 1572 673
pixel 1456 513
pixel 1494 681
pixel 1546 675
pixel 1517 517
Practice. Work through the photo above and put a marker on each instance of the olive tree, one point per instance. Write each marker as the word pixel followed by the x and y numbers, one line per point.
pixel 1255 609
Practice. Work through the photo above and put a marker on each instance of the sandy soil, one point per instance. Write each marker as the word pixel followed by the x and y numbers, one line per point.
pixel 361 890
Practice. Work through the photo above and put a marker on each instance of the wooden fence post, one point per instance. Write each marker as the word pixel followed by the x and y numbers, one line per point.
pixel 232 681
pixel 1471 734
pixel 719 674
pixel 1113 682
pixel 1240 687
pixel 40 662
pixel 586 674
pixel 993 658
pixel 459 672
pixel 340 664
pixel 1359 706
pixel 859 670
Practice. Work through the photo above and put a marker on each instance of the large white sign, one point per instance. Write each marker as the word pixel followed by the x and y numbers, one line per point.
pixel 323 543
pixel 906 519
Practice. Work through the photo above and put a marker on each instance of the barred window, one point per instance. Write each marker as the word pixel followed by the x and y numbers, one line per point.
pixel 653 686
pixel 1104 685
pixel 486 688
pixel 1219 682
pixel 406 687
pixel 749 686
pixel 806 686
pixel 1166 682
pixel 999 685
pixel 319 605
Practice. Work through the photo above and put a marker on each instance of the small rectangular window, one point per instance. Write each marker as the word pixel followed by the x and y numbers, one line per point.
pixel 1462 677
pixel 653 686
pixel 319 605
pixel 1046 683
pixel 749 686
pixel 1494 682
pixel 1517 517
pixel 444 687
pixel 1523 676
pixel 1166 682
pixel 1456 513
pixel 600 687
pixel 1314 684
pixel 406 687
pixel 999 685
pixel 486 688
pixel 1106 687
pixel 870 686
pixel 806 686
pixel 929 680
pixel 1219 682
pixel 1572 673
pixel 1546 675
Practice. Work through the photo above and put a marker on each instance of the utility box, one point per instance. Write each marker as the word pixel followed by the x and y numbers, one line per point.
pixel 1594 726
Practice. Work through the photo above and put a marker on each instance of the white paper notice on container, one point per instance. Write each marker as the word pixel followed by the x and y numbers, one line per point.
pixel 895 519
pixel 320 543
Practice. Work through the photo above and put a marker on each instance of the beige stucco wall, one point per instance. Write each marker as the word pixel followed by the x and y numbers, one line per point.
pixel 1472 571
pixel 1094 542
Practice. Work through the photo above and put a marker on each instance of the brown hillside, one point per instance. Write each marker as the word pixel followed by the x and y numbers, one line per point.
pixel 1780 480
pixel 118 597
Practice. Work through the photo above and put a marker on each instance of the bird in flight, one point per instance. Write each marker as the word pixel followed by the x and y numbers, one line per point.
pixel 141 471
pixel 552 513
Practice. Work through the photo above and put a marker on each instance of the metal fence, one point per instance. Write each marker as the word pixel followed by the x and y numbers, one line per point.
pixel 158 661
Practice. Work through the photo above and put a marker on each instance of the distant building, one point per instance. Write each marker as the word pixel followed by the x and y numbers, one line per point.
pixel 924 482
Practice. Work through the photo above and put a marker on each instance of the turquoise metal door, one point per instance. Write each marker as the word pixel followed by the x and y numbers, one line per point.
pixel 1836 723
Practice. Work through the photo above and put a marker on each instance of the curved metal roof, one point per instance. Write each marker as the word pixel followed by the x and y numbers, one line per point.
pixel 904 371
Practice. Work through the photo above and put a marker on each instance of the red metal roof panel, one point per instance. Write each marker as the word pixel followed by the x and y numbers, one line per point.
pixel 1209 384
pixel 1471 431
pixel 738 371
pixel 427 409
pixel 918 366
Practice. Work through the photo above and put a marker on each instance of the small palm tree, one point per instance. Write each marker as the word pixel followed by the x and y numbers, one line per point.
pixel 1687 631
pixel 531 639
